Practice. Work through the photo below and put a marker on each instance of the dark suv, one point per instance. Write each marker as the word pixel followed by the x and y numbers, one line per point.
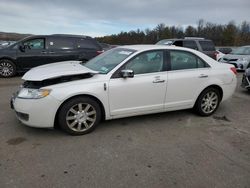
pixel 43 49
pixel 203 45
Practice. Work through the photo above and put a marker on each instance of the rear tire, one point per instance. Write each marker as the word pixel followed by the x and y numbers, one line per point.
pixel 207 102
pixel 79 116
pixel 7 68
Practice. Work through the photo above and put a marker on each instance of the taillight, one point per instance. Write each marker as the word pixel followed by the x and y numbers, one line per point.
pixel 233 69
pixel 99 52
pixel 215 54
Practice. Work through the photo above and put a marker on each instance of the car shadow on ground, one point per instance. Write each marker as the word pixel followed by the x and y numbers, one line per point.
pixel 109 125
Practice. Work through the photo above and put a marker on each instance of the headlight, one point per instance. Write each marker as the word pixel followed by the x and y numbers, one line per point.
pixel 27 93
pixel 243 60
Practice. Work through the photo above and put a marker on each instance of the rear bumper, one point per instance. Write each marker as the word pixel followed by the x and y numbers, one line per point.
pixel 229 89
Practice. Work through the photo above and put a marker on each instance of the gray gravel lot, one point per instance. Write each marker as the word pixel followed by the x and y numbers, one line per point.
pixel 174 149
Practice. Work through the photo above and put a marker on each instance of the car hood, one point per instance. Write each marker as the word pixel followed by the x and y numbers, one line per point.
pixel 56 70
pixel 234 56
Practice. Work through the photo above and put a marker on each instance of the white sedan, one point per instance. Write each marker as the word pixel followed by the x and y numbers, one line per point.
pixel 125 81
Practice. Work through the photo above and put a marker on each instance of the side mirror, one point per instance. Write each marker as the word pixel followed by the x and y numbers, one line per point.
pixel 22 48
pixel 127 73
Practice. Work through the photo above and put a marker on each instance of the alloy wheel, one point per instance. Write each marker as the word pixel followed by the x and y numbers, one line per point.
pixel 6 69
pixel 81 117
pixel 209 102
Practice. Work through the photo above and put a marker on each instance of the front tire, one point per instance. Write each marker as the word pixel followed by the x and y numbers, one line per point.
pixel 79 116
pixel 7 68
pixel 208 102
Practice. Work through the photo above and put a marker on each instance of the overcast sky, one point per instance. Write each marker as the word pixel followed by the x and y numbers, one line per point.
pixel 104 17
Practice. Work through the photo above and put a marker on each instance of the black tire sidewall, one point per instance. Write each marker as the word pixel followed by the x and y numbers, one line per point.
pixel 199 101
pixel 12 64
pixel 65 108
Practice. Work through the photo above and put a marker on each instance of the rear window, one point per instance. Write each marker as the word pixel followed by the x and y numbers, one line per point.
pixel 61 43
pixel 87 43
pixel 165 42
pixel 207 45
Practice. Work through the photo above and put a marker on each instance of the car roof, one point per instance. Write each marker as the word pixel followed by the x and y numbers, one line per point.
pixel 189 38
pixel 143 47
pixel 57 35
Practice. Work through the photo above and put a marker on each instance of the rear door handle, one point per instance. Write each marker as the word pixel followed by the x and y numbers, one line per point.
pixel 43 52
pixel 203 76
pixel 51 52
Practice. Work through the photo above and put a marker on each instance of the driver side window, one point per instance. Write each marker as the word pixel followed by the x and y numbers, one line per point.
pixel 34 44
pixel 147 62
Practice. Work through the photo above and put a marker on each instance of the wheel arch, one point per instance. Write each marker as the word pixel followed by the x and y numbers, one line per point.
pixel 211 86
pixel 103 114
pixel 8 58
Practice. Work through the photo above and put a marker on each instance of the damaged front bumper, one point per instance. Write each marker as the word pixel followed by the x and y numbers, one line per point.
pixel 245 81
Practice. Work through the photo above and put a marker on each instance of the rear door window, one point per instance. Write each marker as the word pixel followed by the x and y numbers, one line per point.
pixel 178 43
pixel 190 44
pixel 61 43
pixel 185 60
pixel 207 45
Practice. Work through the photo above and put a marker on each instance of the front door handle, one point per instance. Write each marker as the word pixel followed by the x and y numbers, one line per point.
pixel 203 76
pixel 43 52
pixel 158 81
pixel 51 52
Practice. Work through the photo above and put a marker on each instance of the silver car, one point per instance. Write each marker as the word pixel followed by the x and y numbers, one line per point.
pixel 239 57
pixel 246 79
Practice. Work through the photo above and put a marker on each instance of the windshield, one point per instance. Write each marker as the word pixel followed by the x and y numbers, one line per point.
pixel 165 42
pixel 108 60
pixel 241 51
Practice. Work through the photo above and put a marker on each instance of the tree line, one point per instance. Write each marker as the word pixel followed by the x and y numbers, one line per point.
pixel 223 35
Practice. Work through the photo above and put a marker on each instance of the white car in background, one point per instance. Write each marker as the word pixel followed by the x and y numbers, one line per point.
pixel 124 81
pixel 239 57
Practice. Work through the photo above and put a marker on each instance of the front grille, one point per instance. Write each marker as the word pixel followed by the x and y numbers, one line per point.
pixel 23 116
pixel 225 59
